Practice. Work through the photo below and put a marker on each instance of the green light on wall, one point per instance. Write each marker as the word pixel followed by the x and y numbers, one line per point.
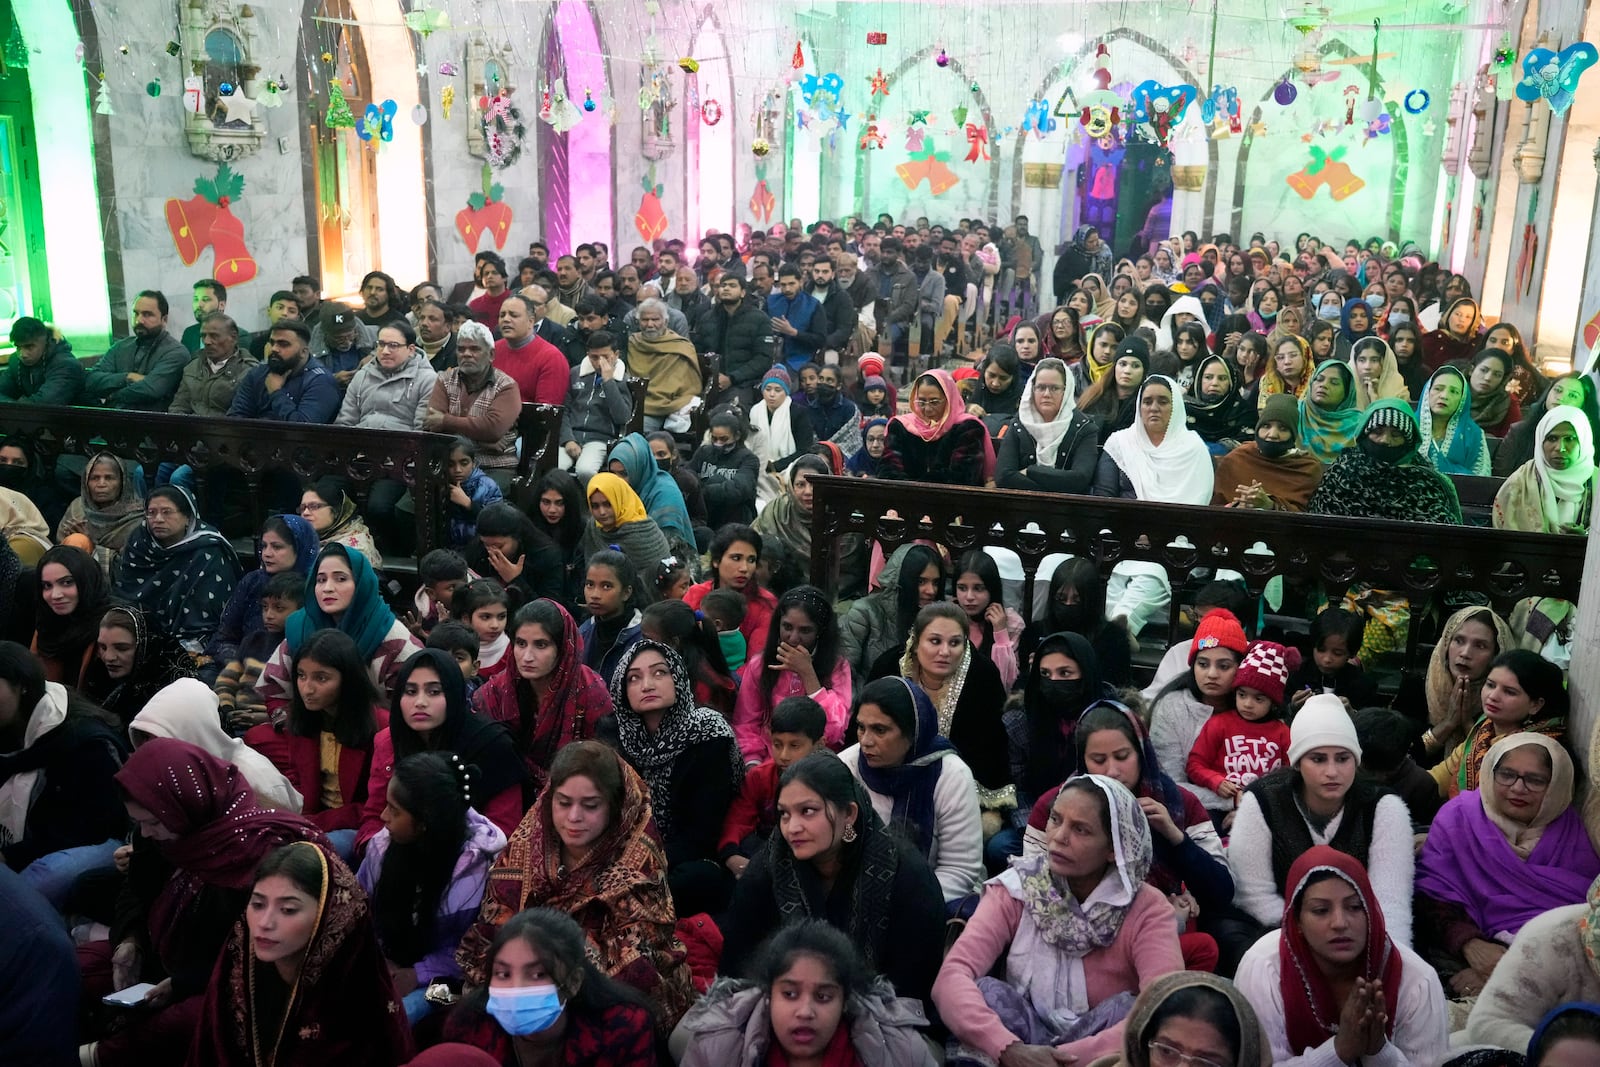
pixel 64 139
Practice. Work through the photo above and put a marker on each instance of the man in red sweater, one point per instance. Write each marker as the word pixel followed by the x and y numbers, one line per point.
pixel 536 365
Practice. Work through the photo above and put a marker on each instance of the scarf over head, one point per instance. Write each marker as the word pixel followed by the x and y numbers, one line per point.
pixel 1047 436
pixel 1501 871
pixel 1223 417
pixel 1345 330
pixel 1057 930
pixel 1166 338
pixel 1178 470
pixel 1441 682
pixel 1577 478
pixel 654 755
pixel 341 1007
pixel 186 711
pixel 1463 442
pixel 223 832
pixel 1310 1012
pixel 367 620
pixel 863 463
pixel 542 730
pixel 59 637
pixel 183 585
pixel 107 526
pixel 625 504
pixel 911 784
pixel 1326 432
pixel 785 519
pixel 1255 1050
pixel 955 413
pixel 617 892
pixel 1100 370
pixel 1390 383
pixel 1490 409
pixel 482 745
pixel 1272 381
pixel 662 499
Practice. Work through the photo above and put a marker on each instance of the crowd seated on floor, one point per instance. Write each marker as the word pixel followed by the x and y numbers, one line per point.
pixel 602 778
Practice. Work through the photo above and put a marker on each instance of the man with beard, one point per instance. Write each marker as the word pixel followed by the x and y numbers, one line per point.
pixel 44 370
pixel 381 300
pixel 308 295
pixel 536 365
pixel 895 289
pixel 741 334
pixel 643 263
pixel 839 318
pixel 343 342
pixel 141 372
pixel 687 297
pixel 539 252
pixel 668 361
pixel 628 282
pixel 796 316
pixel 478 402
pixel 289 386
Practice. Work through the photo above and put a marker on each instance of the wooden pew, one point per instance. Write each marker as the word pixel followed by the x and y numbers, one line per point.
pixel 249 448
pixel 1477 497
pixel 539 427
pixel 1310 551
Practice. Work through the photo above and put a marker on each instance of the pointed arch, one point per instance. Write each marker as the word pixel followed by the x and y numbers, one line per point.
pixel 575 173
pixel 991 128
pixel 710 148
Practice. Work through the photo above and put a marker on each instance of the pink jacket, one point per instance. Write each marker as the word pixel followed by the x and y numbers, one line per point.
pixel 753 711
pixel 1145 949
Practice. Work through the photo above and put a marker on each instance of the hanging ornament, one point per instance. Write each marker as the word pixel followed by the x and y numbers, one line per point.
pixel 877 37
pixel 974 88
pixel 153 87
pixel 1285 92
pixel 448 70
pixel 419 116
pixel 871 138
pixel 271 95
pixel 799 59
pixel 339 116
pixel 77 52
pixel 447 100
pixel 194 94
pixel 16 52
pixel 225 89
pixel 760 146
pixel 378 122
pixel 941 59
pixel 426 20
pixel 762 202
pixel 327 57
pixel 879 83
pixel 588 101
pixel 958 115
pixel 689 65
pixel 102 98
pixel 651 218
pixel 919 117
pixel 174 48
pixel 1505 54
pixel 1417 101
pixel 711 112
pixel 1553 76
pixel 977 142
pixel 124 49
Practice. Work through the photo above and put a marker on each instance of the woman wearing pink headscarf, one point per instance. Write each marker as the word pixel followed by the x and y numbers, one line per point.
pixel 937 441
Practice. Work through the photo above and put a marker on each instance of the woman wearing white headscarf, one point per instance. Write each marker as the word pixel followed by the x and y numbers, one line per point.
pixel 1050 446
pixel 1080 929
pixel 1159 458
pixel 1553 492
pixel 186 710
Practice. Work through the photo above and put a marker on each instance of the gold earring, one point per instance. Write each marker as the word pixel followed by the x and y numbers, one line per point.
pixel 849 832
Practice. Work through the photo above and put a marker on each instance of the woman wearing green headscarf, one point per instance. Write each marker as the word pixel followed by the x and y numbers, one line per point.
pixel 1329 417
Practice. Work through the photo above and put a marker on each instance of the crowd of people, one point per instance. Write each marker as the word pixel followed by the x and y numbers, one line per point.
pixel 604 781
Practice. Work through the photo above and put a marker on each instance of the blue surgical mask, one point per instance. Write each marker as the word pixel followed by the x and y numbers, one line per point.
pixel 525 1010
pixel 1398 318
pixel 1375 301
pixel 1329 310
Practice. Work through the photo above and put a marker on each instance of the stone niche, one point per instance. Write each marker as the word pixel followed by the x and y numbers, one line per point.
pixel 219 49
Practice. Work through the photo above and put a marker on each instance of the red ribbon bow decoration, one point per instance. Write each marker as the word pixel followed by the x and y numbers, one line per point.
pixel 977 142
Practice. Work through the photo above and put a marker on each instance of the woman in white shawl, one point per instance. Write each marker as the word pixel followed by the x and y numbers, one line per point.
pixel 1050 446
pixel 1554 491
pixel 1158 458
pixel 186 710
pixel 780 433
pixel 1377 373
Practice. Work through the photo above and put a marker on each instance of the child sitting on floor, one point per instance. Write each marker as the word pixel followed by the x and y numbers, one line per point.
pixel 483 605
pixel 797 726
pixel 1237 746
pixel 240 706
pixel 1335 639
pixel 471 491
pixel 1386 736
pixel 440 571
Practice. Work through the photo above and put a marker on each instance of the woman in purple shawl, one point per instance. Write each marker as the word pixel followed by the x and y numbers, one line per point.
pixel 1499 855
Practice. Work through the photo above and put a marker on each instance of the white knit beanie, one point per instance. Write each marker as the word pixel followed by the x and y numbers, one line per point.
pixel 1322 722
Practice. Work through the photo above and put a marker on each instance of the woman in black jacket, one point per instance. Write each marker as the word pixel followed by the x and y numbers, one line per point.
pixel 511 549
pixel 728 471
pixel 1049 446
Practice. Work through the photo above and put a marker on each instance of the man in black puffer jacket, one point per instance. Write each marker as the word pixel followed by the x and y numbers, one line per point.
pixel 741 334
pixel 839 313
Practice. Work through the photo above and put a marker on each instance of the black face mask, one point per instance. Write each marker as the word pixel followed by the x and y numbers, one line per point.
pixel 1075 617
pixel 13 477
pixel 664 464
pixel 1384 453
pixel 1273 449
pixel 1062 692
pixel 826 393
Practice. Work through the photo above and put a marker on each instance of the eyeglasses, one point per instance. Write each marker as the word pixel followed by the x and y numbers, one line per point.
pixel 1164 1055
pixel 391 346
pixel 1049 389
pixel 313 507
pixel 929 401
pixel 1535 783
pixel 161 513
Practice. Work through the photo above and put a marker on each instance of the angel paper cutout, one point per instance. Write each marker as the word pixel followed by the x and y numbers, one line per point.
pixel 1554 76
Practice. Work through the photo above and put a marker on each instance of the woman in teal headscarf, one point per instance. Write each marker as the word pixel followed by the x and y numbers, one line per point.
pixel 1329 417
pixel 663 500
pixel 341 594
pixel 1451 441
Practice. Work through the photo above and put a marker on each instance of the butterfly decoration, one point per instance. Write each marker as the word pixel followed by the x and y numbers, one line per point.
pixel 1377 127
pixel 1222 101
pixel 1038 118
pixel 1553 76
pixel 378 121
pixel 1177 99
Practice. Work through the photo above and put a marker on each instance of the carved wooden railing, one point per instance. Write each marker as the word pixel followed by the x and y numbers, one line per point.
pixel 250 449
pixel 1311 552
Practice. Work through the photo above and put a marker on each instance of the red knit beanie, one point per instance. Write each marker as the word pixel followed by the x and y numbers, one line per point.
pixel 1266 669
pixel 1219 629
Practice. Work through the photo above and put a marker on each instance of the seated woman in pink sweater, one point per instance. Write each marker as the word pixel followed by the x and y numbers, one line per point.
pixel 1081 931
pixel 800 658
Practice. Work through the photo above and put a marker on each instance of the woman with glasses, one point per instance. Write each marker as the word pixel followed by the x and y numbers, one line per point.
pixel 1332 986
pixel 1192 1019
pixel 179 571
pixel 937 441
pixel 332 514
pixel 1522 693
pixel 1498 856
pixel 1051 445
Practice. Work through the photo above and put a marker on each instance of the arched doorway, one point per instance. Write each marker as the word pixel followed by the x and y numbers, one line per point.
pixel 575 187
pixel 368 196
pixel 710 147
pixel 51 242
